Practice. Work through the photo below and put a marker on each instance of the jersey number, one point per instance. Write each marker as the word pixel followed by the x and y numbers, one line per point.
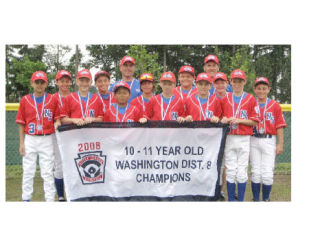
pixel 31 127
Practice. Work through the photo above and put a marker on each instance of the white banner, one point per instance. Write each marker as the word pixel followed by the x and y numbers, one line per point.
pixel 113 163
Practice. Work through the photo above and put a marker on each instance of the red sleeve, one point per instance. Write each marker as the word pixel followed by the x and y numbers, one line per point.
pixel 56 108
pixel 65 110
pixel 280 122
pixel 20 115
pixel 253 110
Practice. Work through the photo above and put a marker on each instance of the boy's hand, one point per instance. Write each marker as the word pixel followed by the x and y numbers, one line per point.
pixel 22 149
pixel 88 120
pixel 143 120
pixel 234 120
pixel 225 120
pixel 279 149
pixel 189 118
pixel 214 119
pixel 180 119
pixel 57 124
pixel 78 121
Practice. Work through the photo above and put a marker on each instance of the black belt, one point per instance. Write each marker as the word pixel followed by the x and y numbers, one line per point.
pixel 263 135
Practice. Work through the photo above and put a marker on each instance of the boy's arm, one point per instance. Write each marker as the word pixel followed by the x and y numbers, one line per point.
pixel 246 122
pixel 77 121
pixel 21 137
pixel 279 148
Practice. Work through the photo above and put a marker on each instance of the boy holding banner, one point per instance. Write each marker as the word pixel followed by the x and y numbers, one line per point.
pixel 239 110
pixel 82 107
pixel 200 106
pixel 36 115
pixel 166 106
pixel 186 77
pixel 123 111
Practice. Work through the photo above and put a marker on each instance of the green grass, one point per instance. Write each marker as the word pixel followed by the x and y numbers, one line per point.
pixel 281 190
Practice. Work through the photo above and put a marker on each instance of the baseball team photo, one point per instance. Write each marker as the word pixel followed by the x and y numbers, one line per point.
pixel 148 123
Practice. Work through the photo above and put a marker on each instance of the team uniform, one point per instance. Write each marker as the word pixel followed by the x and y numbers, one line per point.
pixel 130 113
pixel 212 89
pixel 160 108
pixel 91 107
pixel 107 100
pixel 134 88
pixel 238 140
pixel 141 103
pixel 263 147
pixel 38 115
pixel 202 109
pixel 184 94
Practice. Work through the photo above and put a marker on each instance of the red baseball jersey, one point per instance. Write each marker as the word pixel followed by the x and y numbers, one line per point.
pixel 171 112
pixel 246 110
pixel 27 115
pixel 202 112
pixel 132 114
pixel 141 104
pixel 72 108
pixel 270 119
pixel 178 91
pixel 60 100
pixel 106 103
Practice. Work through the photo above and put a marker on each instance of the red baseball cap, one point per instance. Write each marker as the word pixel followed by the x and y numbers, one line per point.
pixel 261 80
pixel 121 84
pixel 146 77
pixel 220 75
pixel 238 74
pixel 84 73
pixel 203 76
pixel 168 76
pixel 39 75
pixel 63 73
pixel 127 59
pixel 101 73
pixel 188 69
pixel 211 58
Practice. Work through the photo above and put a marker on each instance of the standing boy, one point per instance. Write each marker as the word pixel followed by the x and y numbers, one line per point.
pixel 102 82
pixel 263 143
pixel 63 81
pixel 82 107
pixel 35 117
pixel 166 106
pixel 186 77
pixel 239 110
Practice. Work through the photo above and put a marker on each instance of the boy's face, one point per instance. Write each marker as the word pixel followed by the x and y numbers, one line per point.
pixel 220 86
pixel 127 69
pixel 167 86
pixel 83 84
pixel 122 95
pixel 103 83
pixel 146 87
pixel 238 84
pixel 39 86
pixel 203 87
pixel 261 91
pixel 64 84
pixel 211 68
pixel 186 79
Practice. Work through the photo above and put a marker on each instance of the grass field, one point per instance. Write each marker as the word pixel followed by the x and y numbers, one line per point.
pixel 281 190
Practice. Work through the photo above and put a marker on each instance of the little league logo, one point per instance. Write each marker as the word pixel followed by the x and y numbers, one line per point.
pixel 91 167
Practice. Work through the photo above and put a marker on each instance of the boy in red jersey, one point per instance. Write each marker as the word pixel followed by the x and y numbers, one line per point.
pixel 200 106
pixel 82 107
pixel 63 81
pixel 239 110
pixel 35 117
pixel 263 146
pixel 102 82
pixel 147 88
pixel 122 111
pixel 186 77
pixel 166 106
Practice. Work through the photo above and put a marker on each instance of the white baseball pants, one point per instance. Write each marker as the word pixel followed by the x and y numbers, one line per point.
pixel 262 159
pixel 237 158
pixel 34 146
pixel 57 159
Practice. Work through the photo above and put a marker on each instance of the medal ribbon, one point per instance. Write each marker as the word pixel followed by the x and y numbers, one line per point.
pixel 125 113
pixel 188 92
pixel 60 99
pixel 85 111
pixel 163 115
pixel 104 106
pixel 263 115
pixel 205 116
pixel 39 117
